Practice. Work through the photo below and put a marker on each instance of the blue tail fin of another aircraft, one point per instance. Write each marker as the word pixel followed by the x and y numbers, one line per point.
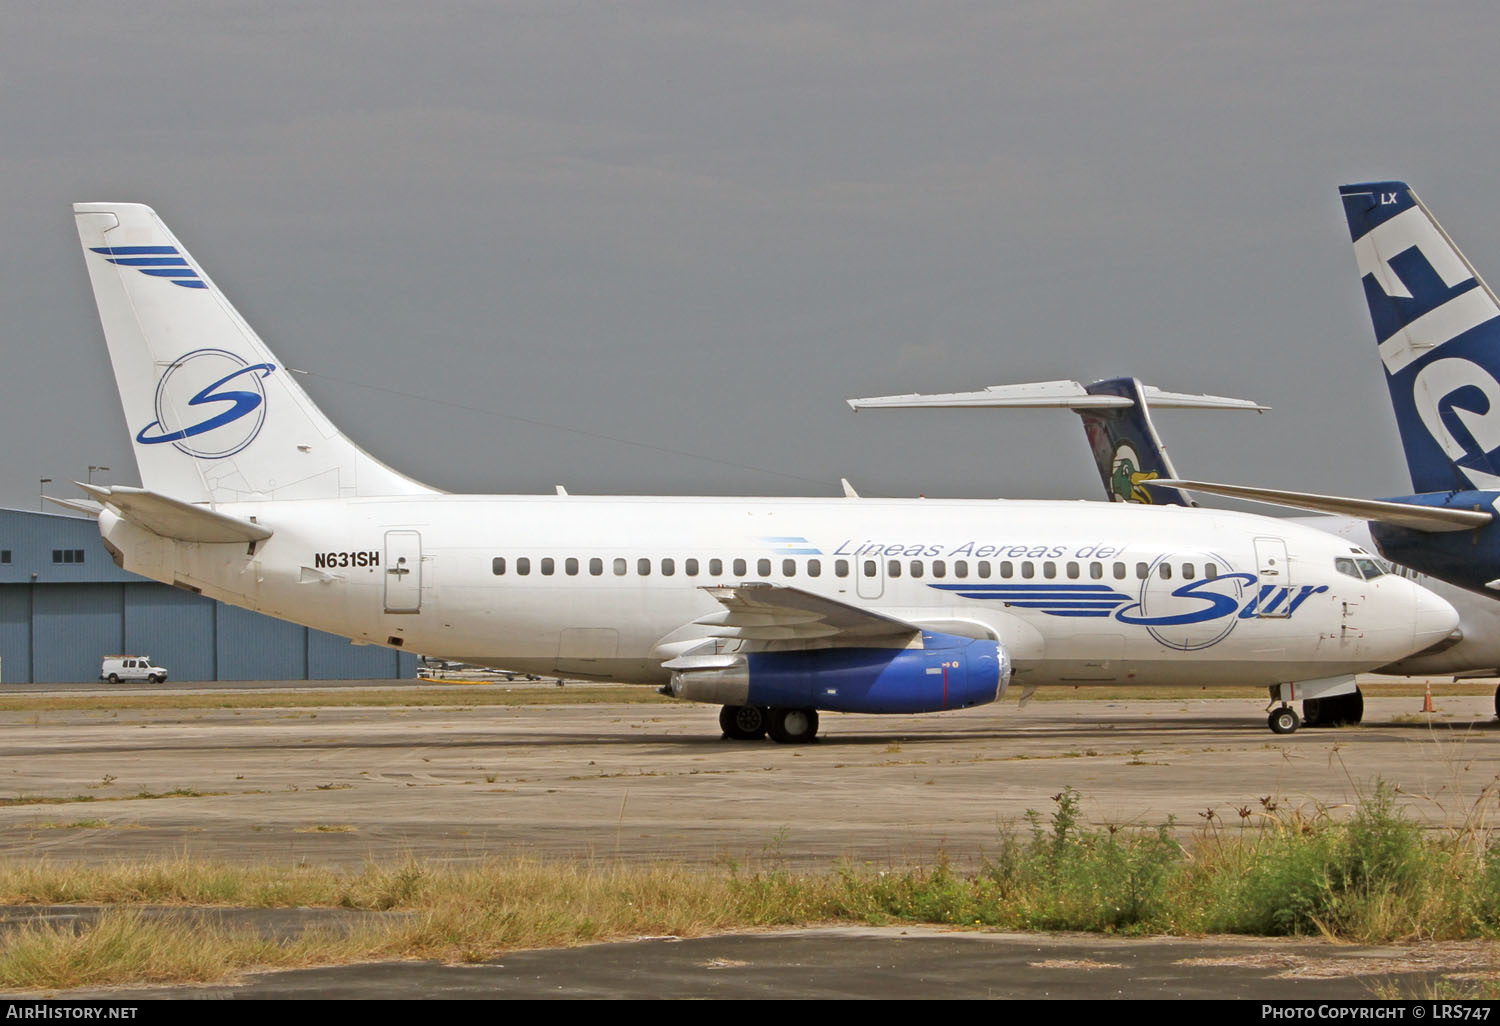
pixel 1127 449
pixel 1437 325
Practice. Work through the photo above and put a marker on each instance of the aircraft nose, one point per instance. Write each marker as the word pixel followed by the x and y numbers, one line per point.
pixel 1434 618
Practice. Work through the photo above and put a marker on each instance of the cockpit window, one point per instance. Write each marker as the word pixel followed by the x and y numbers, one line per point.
pixel 1347 566
pixel 1373 568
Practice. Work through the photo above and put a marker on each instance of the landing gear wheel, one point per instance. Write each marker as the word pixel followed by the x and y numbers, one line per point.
pixel 1284 720
pixel 743 722
pixel 793 726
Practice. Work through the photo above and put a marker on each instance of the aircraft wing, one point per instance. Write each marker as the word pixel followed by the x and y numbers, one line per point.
pixel 173 518
pixel 774 613
pixel 1399 514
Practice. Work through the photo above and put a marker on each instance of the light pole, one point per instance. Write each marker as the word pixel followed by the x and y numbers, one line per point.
pixel 42 483
pixel 93 468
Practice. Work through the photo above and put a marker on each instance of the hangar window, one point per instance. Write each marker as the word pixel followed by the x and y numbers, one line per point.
pixel 67 555
pixel 961 568
pixel 548 566
pixel 5 556
pixel 763 567
pixel 668 567
pixel 715 568
pixel 789 568
pixel 620 566
pixel 570 566
pixel 690 567
pixel 497 566
pixel 596 566
pixel 523 565
pixel 739 568
pixel 893 568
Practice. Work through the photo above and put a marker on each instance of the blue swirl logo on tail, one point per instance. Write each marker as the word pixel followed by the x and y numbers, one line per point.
pixel 209 404
pixel 156 262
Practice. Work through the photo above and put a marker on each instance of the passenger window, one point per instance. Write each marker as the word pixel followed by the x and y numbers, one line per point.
pixel 643 567
pixel 690 567
pixel 1188 571
pixel 916 568
pixel 497 566
pixel 548 566
pixel 961 569
pixel 570 566
pixel 939 568
pixel 1049 570
pixel 789 568
pixel 1119 571
pixel 1028 570
pixel 814 568
pixel 523 565
pixel 1096 571
pixel 1165 570
pixel 841 568
pixel 739 568
pixel 668 567
pixel 1210 571
pixel 620 566
pixel 1007 569
pixel 716 568
pixel 1073 571
pixel 1142 571
pixel 983 567
pixel 893 568
pixel 763 567
pixel 870 568
pixel 596 566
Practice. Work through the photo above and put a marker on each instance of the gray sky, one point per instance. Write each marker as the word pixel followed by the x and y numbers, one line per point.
pixel 701 227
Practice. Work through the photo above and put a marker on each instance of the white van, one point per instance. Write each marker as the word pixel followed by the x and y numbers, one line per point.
pixel 128 667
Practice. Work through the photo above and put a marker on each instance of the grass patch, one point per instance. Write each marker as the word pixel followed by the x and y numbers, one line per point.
pixel 1372 876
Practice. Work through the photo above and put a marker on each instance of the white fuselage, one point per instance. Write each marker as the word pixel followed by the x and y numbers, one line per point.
pixel 609 588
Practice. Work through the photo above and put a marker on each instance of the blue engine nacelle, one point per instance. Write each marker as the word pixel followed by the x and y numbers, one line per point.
pixel 947 672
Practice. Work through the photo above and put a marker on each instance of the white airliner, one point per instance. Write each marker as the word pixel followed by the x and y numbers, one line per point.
pixel 774 609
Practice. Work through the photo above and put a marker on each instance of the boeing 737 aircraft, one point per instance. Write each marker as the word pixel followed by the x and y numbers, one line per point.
pixel 774 609
pixel 1131 460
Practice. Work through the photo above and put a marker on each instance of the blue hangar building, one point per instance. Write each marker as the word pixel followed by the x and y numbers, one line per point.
pixel 64 605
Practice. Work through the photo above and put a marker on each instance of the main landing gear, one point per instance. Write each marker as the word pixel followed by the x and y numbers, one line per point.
pixel 753 722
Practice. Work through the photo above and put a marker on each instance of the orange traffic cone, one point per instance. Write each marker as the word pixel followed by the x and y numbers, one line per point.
pixel 1427 699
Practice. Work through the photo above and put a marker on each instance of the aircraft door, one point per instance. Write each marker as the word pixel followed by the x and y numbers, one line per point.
pixel 1273 573
pixel 870 576
pixel 403 572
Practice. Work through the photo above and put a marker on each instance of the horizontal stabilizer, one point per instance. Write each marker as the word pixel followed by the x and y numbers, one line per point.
pixel 173 518
pixel 88 507
pixel 1398 514
pixel 1068 395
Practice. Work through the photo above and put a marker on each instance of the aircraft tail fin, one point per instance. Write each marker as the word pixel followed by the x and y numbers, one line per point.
pixel 1437 325
pixel 214 415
